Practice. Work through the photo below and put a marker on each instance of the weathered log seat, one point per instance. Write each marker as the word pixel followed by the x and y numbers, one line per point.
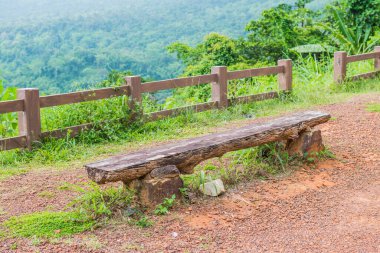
pixel 186 154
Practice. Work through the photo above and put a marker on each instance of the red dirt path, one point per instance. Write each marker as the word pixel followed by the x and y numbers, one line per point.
pixel 334 207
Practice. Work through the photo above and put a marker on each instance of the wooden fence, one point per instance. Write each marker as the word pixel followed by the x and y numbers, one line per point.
pixel 29 103
pixel 341 60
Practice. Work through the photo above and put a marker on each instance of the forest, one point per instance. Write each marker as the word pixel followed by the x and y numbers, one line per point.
pixel 64 46
pixel 307 36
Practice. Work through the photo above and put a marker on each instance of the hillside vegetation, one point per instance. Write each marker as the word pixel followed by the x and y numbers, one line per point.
pixel 307 36
pixel 60 46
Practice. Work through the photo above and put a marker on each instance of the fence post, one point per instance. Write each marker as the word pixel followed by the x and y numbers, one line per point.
pixel 219 88
pixel 285 78
pixel 340 66
pixel 377 59
pixel 29 121
pixel 134 83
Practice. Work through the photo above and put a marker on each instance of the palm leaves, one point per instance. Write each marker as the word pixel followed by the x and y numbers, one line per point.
pixel 352 40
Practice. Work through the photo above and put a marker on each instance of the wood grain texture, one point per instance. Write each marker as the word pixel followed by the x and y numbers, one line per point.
pixel 178 83
pixel 29 121
pixel 362 57
pixel 377 59
pixel 12 143
pixel 253 98
pixel 255 72
pixel 363 76
pixel 285 78
pixel 340 66
pixel 192 108
pixel 186 154
pixel 12 106
pixel 72 131
pixel 219 89
pixel 134 85
pixel 83 96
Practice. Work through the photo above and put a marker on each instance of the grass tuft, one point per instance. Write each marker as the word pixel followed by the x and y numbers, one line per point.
pixel 92 208
pixel 373 108
pixel 47 224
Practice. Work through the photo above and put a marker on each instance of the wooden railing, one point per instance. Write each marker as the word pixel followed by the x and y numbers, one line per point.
pixel 341 60
pixel 29 102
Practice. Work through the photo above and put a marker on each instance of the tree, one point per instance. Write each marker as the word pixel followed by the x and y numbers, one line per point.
pixel 280 29
pixel 302 3
pixel 364 13
pixel 215 50
pixel 345 34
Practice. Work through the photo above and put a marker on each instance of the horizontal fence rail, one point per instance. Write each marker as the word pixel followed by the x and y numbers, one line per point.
pixel 28 103
pixel 12 106
pixel 254 98
pixel 12 143
pixel 83 96
pixel 255 72
pixel 341 60
pixel 178 83
pixel 172 112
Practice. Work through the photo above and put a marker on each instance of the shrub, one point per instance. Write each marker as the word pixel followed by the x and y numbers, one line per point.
pixel 165 206
pixel 48 224
pixel 95 203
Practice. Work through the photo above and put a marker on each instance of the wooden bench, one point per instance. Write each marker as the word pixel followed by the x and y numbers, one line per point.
pixel 186 154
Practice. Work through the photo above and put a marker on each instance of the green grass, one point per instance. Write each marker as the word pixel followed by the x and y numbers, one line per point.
pixel 313 86
pixel 373 107
pixel 94 207
pixel 243 165
pixel 47 224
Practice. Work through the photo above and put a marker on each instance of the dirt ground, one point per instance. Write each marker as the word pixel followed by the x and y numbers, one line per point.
pixel 331 207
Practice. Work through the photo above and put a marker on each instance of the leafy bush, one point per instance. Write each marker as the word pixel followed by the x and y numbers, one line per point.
pixel 8 121
pixel 96 203
pixel 165 206
pixel 262 161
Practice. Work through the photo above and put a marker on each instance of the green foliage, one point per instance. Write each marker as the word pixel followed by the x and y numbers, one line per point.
pixel 144 222
pixel 243 165
pixel 312 85
pixel 96 203
pixel 91 208
pixel 355 40
pixel 113 130
pixel 8 121
pixel 373 107
pixel 215 50
pixel 278 30
pixel 363 13
pixel 325 154
pixel 47 224
pixel 60 46
pixel 165 206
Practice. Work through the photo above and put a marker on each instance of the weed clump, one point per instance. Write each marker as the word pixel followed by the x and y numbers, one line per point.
pixel 165 206
pixel 48 224
pixel 92 208
pixel 95 203
pixel 263 162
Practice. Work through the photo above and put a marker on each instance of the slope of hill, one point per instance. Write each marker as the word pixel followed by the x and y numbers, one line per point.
pixel 60 46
